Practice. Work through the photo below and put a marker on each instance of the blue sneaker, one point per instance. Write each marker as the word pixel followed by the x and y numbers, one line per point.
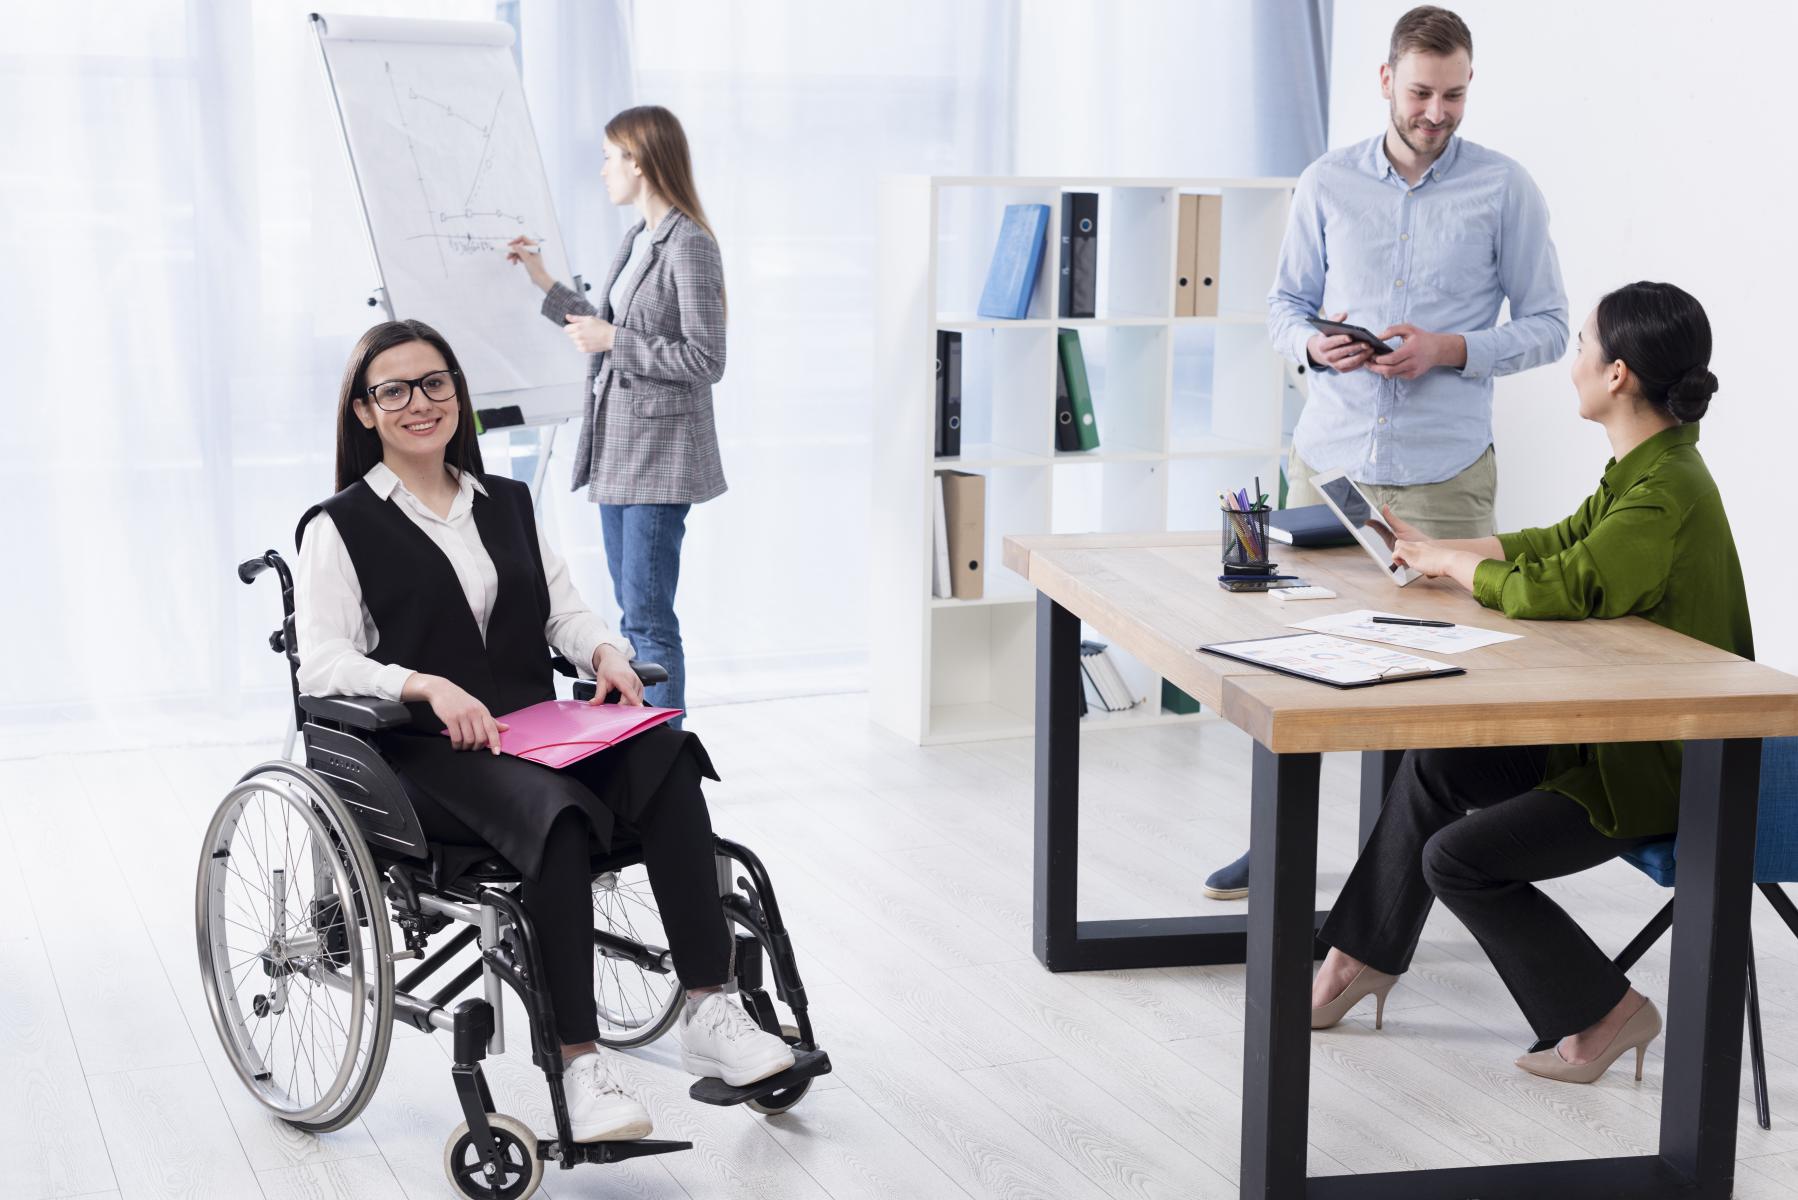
pixel 1229 883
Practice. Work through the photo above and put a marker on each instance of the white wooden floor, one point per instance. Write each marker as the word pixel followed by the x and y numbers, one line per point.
pixel 962 1068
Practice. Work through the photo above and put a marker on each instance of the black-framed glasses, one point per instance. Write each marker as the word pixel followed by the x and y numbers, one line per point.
pixel 394 394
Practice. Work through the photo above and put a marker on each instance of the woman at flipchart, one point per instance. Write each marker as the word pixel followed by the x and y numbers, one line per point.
pixel 648 448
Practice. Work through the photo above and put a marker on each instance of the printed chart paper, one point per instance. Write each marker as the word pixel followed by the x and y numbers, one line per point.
pixel 1360 624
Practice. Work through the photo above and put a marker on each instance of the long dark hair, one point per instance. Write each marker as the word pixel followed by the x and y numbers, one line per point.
pixel 1663 336
pixel 359 447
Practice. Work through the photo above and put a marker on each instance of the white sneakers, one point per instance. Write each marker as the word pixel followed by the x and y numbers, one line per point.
pixel 718 1039
pixel 598 1109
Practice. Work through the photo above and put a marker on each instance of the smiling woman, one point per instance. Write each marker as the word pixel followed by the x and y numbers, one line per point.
pixel 403 392
pixel 426 580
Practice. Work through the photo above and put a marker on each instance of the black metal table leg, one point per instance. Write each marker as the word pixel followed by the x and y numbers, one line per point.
pixel 1056 879
pixel 1719 792
pixel 1276 1060
pixel 1061 940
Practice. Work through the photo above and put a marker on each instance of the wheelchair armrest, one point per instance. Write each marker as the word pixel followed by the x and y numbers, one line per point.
pixel 367 713
pixel 648 672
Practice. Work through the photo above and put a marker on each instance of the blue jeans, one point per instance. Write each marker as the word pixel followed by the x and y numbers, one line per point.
pixel 643 554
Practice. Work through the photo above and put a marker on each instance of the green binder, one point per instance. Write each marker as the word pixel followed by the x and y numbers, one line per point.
pixel 1080 393
pixel 1176 701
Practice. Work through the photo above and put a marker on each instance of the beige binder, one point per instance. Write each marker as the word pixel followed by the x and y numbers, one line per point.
pixel 1207 250
pixel 964 503
pixel 1186 256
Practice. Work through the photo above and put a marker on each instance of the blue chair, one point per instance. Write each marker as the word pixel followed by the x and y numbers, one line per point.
pixel 1775 862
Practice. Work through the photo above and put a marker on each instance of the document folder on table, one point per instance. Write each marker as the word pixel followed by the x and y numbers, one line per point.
pixel 558 732
pixel 1332 660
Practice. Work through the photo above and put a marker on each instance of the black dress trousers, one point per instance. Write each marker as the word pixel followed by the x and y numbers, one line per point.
pixel 1469 827
pixel 546 823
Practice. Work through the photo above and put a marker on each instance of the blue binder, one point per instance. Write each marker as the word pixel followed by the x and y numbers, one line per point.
pixel 1016 260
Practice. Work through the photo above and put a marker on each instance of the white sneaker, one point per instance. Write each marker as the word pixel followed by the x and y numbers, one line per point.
pixel 718 1039
pixel 598 1109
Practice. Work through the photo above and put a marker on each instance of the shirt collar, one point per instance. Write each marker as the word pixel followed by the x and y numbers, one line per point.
pixel 383 483
pixel 1622 474
pixel 1380 167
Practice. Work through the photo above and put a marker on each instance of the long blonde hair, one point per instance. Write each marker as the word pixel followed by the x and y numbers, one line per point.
pixel 654 139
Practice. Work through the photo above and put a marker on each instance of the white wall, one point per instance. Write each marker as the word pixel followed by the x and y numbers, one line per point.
pixel 1659 132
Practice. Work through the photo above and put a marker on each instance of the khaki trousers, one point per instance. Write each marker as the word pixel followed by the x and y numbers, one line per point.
pixel 1455 508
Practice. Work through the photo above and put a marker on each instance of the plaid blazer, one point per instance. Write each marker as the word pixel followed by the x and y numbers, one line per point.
pixel 649 436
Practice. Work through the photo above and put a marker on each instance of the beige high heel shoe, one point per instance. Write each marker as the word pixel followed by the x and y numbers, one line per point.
pixel 1643 1026
pixel 1367 982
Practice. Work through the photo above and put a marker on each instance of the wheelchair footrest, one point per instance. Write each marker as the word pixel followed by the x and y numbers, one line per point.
pixel 609 1152
pixel 807 1064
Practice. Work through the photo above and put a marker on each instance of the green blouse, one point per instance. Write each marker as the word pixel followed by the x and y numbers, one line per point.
pixel 1652 541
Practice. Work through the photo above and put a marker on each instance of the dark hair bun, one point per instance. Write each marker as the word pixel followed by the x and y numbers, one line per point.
pixel 1661 333
pixel 1690 395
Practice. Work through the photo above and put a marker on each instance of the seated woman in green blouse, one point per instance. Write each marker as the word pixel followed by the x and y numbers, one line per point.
pixel 1476 828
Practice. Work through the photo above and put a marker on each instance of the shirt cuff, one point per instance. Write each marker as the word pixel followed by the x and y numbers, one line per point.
pixel 1513 544
pixel 390 680
pixel 1482 352
pixel 1489 582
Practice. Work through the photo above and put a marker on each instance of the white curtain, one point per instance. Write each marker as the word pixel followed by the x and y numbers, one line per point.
pixel 1172 87
pixel 186 272
pixel 793 111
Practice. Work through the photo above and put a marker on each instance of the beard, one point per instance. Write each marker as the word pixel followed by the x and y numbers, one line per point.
pixel 1407 134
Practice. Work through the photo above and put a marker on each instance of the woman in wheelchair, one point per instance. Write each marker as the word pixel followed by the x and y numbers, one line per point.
pixel 427 581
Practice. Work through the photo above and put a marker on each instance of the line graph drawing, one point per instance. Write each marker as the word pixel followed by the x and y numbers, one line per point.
pixel 474 235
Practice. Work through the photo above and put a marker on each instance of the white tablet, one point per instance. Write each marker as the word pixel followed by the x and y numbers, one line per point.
pixel 1361 517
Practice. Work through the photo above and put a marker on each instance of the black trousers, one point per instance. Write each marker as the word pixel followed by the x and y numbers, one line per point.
pixel 1470 828
pixel 675 831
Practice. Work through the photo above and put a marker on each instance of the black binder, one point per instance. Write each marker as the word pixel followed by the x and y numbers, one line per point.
pixel 1066 436
pixel 1079 253
pixel 948 394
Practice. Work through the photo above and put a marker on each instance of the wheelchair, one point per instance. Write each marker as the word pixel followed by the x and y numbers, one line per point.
pixel 307 872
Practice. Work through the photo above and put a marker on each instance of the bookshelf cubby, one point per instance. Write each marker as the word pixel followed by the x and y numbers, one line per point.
pixel 1186 406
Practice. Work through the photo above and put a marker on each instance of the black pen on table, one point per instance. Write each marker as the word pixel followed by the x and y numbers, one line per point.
pixel 1413 621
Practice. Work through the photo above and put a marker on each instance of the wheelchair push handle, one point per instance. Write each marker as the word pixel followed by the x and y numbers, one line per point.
pixel 249 569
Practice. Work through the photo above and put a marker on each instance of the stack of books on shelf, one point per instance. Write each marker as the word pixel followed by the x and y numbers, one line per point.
pixel 1104 682
pixel 960 537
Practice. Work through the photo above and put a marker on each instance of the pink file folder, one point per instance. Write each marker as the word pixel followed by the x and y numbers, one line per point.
pixel 558 732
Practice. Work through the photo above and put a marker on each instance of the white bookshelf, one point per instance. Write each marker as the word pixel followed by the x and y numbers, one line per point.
pixel 1186 407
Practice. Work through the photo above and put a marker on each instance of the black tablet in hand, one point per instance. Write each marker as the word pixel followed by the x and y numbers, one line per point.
pixel 1353 332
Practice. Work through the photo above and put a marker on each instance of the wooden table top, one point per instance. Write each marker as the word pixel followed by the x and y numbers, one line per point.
pixel 1156 596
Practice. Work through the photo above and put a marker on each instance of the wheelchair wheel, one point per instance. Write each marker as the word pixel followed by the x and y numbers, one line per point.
pixel 636 1005
pixel 520 1170
pixel 775 1103
pixel 295 947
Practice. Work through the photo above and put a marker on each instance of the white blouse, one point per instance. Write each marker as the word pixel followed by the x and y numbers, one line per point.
pixel 336 631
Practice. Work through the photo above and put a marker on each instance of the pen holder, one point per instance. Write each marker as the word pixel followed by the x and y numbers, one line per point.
pixel 1245 537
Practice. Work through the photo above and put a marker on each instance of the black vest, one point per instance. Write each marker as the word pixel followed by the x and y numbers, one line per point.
pixel 421 615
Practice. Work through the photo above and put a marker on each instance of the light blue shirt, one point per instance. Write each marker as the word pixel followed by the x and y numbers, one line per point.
pixel 1442 256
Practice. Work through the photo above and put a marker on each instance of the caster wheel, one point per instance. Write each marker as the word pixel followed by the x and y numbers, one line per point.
pixel 779 1102
pixel 520 1170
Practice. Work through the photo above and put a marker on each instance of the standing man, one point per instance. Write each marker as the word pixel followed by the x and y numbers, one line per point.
pixel 1419 235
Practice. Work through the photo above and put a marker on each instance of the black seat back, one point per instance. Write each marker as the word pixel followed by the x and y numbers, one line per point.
pixel 335 749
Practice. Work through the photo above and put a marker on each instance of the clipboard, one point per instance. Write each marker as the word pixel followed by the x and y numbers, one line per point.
pixel 1336 662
